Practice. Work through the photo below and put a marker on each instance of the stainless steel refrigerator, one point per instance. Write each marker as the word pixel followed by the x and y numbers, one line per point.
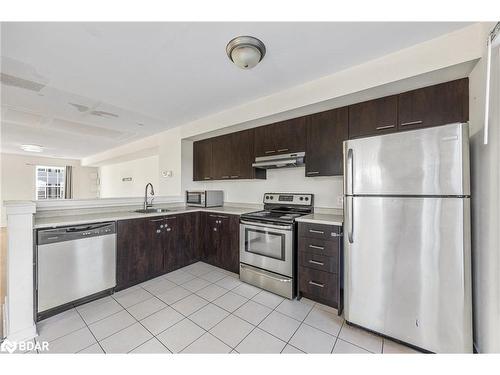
pixel 407 237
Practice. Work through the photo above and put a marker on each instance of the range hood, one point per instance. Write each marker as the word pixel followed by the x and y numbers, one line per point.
pixel 295 159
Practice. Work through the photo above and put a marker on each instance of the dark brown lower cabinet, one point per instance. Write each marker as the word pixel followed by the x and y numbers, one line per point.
pixel 150 247
pixel 221 240
pixel 133 256
pixel 320 264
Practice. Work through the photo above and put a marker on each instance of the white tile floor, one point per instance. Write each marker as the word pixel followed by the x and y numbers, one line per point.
pixel 204 309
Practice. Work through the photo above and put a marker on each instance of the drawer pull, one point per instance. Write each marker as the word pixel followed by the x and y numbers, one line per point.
pixel 384 127
pixel 269 152
pixel 317 247
pixel 411 123
pixel 235 176
pixel 316 231
pixel 224 176
pixel 316 284
pixel 316 262
pixel 282 150
pixel 207 178
pixel 171 218
pixel 313 172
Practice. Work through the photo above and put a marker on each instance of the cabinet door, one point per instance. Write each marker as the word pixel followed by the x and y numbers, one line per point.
pixel 156 237
pixel 264 141
pixel 202 160
pixel 132 252
pixel 325 133
pixel 171 230
pixel 379 116
pixel 290 135
pixel 242 154
pixel 188 238
pixel 434 105
pixel 222 157
pixel 211 239
pixel 228 255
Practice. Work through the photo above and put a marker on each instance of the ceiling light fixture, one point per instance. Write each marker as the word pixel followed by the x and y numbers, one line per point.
pixel 245 51
pixel 32 148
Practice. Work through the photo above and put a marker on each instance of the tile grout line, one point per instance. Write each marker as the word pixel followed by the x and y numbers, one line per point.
pixel 92 333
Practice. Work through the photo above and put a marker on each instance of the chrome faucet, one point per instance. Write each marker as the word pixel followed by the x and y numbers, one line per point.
pixel 150 204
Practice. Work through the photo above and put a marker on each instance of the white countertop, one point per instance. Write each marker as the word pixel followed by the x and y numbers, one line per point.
pixel 63 220
pixel 328 219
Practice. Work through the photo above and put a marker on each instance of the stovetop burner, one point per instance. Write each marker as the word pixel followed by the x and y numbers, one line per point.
pixel 276 211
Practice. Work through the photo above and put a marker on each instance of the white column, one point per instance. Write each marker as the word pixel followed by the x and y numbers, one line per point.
pixel 19 322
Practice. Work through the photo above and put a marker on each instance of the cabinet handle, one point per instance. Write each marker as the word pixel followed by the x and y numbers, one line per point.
pixel 411 123
pixel 169 229
pixel 215 229
pixel 170 218
pixel 384 127
pixel 207 178
pixel 316 231
pixel 282 149
pixel 337 234
pixel 316 284
pixel 313 172
pixel 316 247
pixel 235 176
pixel 316 262
pixel 224 176
pixel 269 152
pixel 212 215
pixel 222 217
pixel 155 220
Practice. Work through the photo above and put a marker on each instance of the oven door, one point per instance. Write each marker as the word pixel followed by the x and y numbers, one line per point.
pixel 267 246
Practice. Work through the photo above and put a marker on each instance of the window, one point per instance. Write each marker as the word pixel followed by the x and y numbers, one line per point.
pixel 49 182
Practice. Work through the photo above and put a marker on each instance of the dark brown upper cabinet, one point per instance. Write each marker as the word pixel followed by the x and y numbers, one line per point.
pixel 227 157
pixel 202 160
pixel 434 105
pixel 373 117
pixel 325 133
pixel 281 137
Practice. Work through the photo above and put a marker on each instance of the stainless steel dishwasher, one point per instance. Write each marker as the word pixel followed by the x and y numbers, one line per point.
pixel 74 263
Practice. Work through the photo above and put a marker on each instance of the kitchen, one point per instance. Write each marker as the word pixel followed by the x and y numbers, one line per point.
pixel 238 229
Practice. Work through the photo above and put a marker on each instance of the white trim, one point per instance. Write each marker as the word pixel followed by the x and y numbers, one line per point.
pixel 19 207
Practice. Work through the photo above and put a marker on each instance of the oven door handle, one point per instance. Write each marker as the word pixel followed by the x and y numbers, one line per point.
pixel 265 225
pixel 266 274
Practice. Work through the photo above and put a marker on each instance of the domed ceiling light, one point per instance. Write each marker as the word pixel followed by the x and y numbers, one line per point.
pixel 245 51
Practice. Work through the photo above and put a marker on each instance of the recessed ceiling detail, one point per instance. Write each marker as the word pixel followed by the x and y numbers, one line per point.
pixel 21 83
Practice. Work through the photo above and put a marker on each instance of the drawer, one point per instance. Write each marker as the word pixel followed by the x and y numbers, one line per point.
pixel 318 262
pixel 319 286
pixel 320 247
pixel 319 231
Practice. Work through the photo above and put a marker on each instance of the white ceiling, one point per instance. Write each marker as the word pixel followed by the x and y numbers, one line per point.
pixel 163 75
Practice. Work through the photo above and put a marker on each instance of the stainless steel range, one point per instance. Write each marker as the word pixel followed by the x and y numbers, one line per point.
pixel 268 251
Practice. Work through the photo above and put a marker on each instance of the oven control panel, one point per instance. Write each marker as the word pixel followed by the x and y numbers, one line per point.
pixel 289 198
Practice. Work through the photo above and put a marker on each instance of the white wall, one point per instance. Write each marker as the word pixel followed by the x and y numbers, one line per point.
pixel 18 177
pixel 485 183
pixel 326 190
pixel 141 171
pixel 411 67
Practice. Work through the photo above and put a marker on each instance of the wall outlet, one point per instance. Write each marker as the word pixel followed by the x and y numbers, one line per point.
pixel 166 173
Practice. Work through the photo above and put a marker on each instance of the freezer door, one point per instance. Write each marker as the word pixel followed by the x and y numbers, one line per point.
pixel 432 161
pixel 407 270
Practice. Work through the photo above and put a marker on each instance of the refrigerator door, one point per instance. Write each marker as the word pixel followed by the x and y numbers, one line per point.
pixel 407 270
pixel 432 161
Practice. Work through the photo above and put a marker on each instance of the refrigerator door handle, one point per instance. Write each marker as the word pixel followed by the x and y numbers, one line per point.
pixel 350 219
pixel 350 171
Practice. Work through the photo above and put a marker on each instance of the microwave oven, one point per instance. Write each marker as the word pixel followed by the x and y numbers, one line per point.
pixel 205 198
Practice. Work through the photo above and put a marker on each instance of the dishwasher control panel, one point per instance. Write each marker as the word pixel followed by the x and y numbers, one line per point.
pixel 71 233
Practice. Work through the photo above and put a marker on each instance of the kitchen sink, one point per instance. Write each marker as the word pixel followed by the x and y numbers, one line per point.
pixel 151 210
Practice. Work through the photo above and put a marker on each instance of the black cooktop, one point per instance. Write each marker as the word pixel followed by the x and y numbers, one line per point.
pixel 281 212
